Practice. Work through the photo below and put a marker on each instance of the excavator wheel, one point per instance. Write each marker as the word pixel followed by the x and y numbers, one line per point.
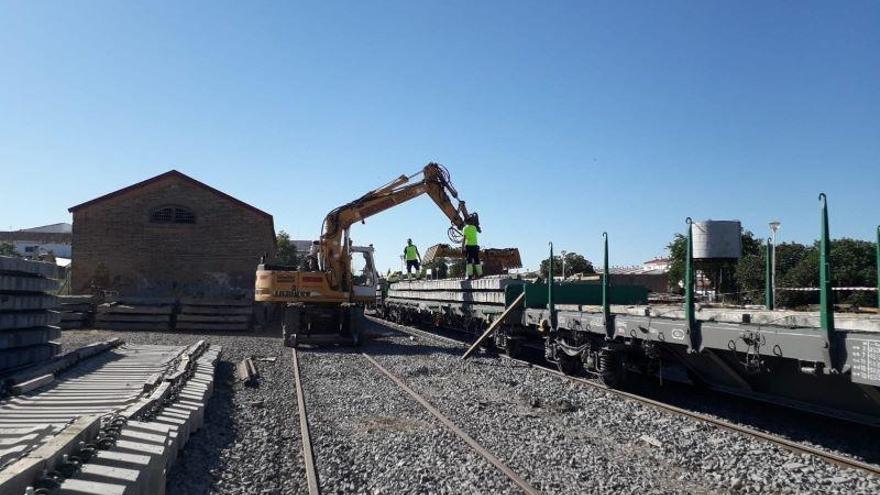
pixel 292 324
pixel 356 322
pixel 570 365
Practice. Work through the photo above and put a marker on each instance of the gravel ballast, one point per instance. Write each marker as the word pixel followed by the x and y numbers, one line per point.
pixel 370 437
pixel 250 442
pixel 560 435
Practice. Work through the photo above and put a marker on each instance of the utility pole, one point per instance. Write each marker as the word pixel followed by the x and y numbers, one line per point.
pixel 774 227
pixel 768 271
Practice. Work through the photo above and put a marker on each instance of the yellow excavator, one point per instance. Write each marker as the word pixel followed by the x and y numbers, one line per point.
pixel 325 305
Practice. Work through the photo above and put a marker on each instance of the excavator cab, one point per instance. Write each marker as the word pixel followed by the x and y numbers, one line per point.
pixel 364 277
pixel 317 316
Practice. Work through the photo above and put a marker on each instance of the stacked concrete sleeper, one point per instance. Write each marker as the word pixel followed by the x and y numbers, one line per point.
pixel 27 317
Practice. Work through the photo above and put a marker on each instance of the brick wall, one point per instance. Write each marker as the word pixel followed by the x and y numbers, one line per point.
pixel 115 246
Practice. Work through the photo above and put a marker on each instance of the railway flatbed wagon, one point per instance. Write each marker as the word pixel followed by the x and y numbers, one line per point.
pixel 816 361
pixel 783 357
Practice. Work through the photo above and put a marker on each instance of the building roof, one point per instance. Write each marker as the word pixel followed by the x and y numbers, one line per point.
pixel 659 259
pixel 55 228
pixel 634 270
pixel 170 173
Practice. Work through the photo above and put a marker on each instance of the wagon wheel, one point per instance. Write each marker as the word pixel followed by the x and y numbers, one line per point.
pixel 570 365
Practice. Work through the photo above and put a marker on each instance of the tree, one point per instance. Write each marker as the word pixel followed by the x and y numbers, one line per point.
pixel 7 249
pixel 677 254
pixel 853 264
pixel 574 263
pixel 285 250
pixel 457 268
pixel 750 274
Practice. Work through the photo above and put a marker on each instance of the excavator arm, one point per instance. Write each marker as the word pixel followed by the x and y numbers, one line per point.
pixel 334 237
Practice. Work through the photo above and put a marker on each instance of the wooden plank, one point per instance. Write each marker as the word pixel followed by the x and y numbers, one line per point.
pixel 126 309
pixel 208 310
pixel 193 301
pixel 215 318
pixel 519 299
pixel 107 317
pixel 246 372
pixel 143 301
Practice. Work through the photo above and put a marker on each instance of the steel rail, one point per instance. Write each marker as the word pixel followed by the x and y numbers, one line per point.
pixel 490 457
pixel 308 453
pixel 783 442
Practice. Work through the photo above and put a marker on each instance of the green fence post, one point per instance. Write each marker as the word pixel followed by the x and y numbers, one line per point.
pixel 878 267
pixel 689 277
pixel 551 305
pixel 689 274
pixel 606 302
pixel 826 302
pixel 768 286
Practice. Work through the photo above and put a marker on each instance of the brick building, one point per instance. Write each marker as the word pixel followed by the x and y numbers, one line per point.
pixel 169 235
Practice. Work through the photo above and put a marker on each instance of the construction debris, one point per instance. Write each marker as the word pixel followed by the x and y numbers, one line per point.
pixel 135 313
pixel 218 315
pixel 246 372
pixel 76 311
pixel 495 260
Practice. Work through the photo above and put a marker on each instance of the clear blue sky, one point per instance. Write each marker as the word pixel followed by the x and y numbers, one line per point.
pixel 557 120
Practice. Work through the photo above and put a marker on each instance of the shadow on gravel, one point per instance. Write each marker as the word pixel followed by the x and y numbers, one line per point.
pixel 383 348
pixel 192 473
pixel 849 438
pixel 801 426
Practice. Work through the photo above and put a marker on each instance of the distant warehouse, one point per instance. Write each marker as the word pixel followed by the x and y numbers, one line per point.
pixel 166 236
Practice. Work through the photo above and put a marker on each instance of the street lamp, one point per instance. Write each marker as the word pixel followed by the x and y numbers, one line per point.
pixel 563 252
pixel 774 227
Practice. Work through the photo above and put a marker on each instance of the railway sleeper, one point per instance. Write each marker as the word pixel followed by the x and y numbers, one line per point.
pixel 130 452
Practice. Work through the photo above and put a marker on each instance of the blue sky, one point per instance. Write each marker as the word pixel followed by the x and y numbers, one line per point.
pixel 557 120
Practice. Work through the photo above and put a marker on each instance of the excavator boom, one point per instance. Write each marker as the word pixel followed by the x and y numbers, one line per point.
pixel 434 182
pixel 327 301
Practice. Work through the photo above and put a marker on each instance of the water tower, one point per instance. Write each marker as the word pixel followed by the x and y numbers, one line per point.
pixel 717 247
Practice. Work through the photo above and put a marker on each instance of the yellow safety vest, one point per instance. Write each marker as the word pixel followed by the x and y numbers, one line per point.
pixel 411 252
pixel 470 235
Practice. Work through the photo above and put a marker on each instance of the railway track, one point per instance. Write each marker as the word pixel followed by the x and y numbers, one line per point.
pixel 111 424
pixel 792 446
pixel 308 453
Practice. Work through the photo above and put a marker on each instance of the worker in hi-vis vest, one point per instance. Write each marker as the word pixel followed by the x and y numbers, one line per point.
pixel 472 247
pixel 412 257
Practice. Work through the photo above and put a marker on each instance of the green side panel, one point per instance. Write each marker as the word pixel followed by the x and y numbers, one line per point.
pixel 511 292
pixel 584 294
